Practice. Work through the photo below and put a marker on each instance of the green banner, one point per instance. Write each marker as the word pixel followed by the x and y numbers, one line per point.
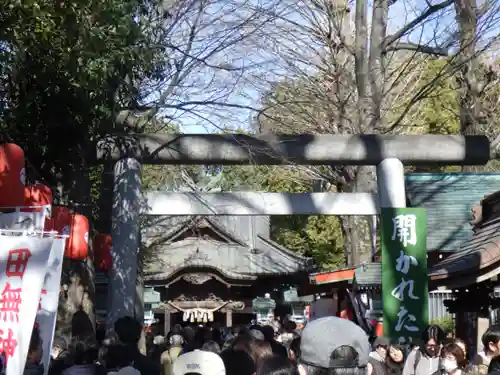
pixel 404 272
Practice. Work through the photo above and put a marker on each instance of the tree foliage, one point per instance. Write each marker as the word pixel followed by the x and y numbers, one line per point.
pixel 66 70
pixel 318 237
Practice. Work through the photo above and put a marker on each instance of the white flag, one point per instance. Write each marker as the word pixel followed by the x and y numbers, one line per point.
pixel 46 316
pixel 23 265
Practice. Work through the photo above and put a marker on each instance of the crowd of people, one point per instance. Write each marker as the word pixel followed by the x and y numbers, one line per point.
pixel 325 346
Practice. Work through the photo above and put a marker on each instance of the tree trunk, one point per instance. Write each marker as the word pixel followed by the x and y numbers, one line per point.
pixel 468 86
pixel 357 230
pixel 78 276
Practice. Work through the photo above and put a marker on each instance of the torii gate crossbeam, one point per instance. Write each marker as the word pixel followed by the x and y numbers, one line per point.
pixel 306 149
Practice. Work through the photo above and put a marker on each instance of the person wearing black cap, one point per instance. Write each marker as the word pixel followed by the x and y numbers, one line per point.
pixel 377 356
pixel 333 346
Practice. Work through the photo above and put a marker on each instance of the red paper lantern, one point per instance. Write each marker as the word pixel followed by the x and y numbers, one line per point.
pixel 37 195
pixel 102 251
pixel 12 175
pixel 77 227
pixel 77 245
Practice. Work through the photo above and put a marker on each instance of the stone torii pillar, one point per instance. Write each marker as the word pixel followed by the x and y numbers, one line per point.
pixel 123 298
pixel 391 184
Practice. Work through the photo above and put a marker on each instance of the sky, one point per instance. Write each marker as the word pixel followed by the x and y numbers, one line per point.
pixel 263 51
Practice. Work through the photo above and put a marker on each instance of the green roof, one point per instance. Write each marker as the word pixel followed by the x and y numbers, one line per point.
pixel 448 199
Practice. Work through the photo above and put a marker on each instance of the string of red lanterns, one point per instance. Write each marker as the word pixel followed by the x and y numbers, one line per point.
pixel 37 197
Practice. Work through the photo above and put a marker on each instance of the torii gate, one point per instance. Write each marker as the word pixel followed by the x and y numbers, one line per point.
pixel 388 153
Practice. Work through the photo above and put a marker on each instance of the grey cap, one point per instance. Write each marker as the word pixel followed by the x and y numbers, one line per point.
pixel 321 337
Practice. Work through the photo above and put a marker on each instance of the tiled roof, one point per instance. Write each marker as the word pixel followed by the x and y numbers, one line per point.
pixel 241 257
pixel 448 198
pixel 231 260
pixel 475 257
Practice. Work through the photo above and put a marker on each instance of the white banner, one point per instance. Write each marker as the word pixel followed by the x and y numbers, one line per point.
pixel 23 221
pixel 23 265
pixel 47 313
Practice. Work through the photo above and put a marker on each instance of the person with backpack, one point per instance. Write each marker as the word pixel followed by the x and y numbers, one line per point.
pixel 424 360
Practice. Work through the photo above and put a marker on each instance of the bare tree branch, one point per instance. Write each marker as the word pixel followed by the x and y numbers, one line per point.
pixel 415 22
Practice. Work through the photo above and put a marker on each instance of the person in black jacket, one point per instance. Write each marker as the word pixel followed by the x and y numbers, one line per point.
pixel 494 367
pixel 129 332
pixel 378 356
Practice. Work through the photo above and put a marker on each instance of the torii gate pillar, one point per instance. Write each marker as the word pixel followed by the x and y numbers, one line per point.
pixel 391 184
pixel 123 298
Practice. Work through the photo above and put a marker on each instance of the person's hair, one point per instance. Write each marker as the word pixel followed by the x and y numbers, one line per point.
pixel 128 330
pixel 346 354
pixel 84 350
pixel 36 340
pixel 211 346
pixel 242 342
pixel 289 326
pixel 433 332
pixel 268 332
pixel 81 325
pixel 459 342
pixel 237 362
pixel 118 356
pixel 457 352
pixel 492 334
pixel 260 349
pixel 448 341
pixel 295 347
pixel 277 365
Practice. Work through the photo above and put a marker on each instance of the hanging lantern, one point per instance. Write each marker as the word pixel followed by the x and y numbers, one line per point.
pixel 102 251
pixel 12 175
pixel 77 245
pixel 37 197
pixel 379 329
pixel 77 227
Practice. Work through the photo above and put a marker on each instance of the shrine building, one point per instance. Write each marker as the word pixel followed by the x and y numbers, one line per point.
pixel 206 269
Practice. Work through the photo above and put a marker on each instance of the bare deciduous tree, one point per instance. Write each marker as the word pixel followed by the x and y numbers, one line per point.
pixel 207 50
pixel 346 73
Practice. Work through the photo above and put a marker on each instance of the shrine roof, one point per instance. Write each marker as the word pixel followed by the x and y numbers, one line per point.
pixel 243 249
pixel 448 199
pixel 231 260
pixel 475 261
